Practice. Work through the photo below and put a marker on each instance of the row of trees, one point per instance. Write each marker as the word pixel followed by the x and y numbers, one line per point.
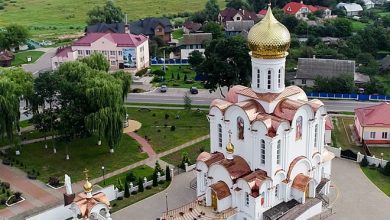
pixel 12 36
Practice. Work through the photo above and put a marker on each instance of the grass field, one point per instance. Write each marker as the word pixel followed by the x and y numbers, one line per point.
pixel 179 82
pixel 190 125
pixel 21 57
pixel 178 34
pixel 52 18
pixel 193 152
pixel 357 25
pixel 342 133
pixel 84 154
pixel 380 180
pixel 384 81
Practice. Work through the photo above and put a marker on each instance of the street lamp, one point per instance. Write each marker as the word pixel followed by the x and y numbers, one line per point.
pixel 104 179
pixel 381 159
pixel 166 201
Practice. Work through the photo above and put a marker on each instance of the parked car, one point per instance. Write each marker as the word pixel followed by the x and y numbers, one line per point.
pixel 163 88
pixel 193 90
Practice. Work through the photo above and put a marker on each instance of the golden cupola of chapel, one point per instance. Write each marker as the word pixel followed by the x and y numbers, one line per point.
pixel 269 38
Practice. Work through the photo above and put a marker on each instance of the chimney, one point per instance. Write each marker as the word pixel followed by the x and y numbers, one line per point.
pixel 127 26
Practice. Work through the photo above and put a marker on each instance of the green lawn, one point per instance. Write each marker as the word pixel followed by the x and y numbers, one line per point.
pixel 164 105
pixel 380 180
pixel 52 18
pixel 193 152
pixel 342 134
pixel 385 81
pixel 21 57
pixel 84 154
pixel 384 14
pixel 190 125
pixel 178 34
pixel 378 150
pixel 179 82
pixel 120 204
pixel 357 25
pixel 139 172
pixel 25 123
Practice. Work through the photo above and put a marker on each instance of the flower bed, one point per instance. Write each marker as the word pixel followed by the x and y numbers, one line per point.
pixel 14 199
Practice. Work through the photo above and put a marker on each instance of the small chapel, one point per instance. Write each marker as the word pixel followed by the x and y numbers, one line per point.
pixel 267 146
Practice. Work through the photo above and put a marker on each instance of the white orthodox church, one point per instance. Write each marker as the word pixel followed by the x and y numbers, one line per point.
pixel 267 141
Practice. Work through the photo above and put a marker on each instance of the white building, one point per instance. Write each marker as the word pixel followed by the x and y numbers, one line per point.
pixel 351 9
pixel 369 4
pixel 274 139
pixel 122 50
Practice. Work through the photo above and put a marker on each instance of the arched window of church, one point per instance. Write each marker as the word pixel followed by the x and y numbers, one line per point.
pixel 258 78
pixel 278 151
pixel 298 130
pixel 262 151
pixel 279 78
pixel 220 135
pixel 205 180
pixel 247 199
pixel 277 191
pixel 315 135
pixel 269 79
pixel 240 128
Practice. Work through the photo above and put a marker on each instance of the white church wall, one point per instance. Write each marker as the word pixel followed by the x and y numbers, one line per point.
pixel 312 211
pixel 297 195
pixel 224 203
pixel 219 173
pixel 302 166
pixel 216 118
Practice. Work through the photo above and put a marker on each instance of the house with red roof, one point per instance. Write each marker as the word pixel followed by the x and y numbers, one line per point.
pixel 231 14
pixel 300 10
pixel 122 50
pixel 372 124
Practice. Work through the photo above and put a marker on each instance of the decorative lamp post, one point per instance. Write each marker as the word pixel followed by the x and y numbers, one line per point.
pixel 104 179
pixel 166 201
pixel 381 158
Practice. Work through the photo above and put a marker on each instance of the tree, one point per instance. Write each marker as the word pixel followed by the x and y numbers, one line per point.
pixel 97 61
pixel 341 84
pixel 155 179
pixel 211 10
pixel 168 174
pixel 343 27
pixel 13 36
pixel 290 21
pixel 198 17
pixel 238 4
pixel 185 77
pixel 364 162
pixel 195 58
pixel 127 190
pixel 140 185
pixel 256 5
pixel 227 63
pixel 157 168
pixel 214 28
pixel 187 102
pixel 184 160
pixel 386 169
pixel 109 14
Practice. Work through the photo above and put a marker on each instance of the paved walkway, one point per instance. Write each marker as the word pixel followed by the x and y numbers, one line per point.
pixel 353 196
pixel 179 194
pixel 35 192
pixel 28 142
pixel 146 147
pixel 42 64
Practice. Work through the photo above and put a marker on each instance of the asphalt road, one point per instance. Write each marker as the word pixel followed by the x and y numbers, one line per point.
pixel 175 96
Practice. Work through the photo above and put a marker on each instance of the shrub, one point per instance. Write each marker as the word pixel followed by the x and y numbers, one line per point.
pixel 364 162
pixel 159 73
pixel 201 149
pixel 185 160
pixel 157 168
pixel 119 185
pixel 2 201
pixel 178 76
pixel 119 198
pixel 155 178
pixel 386 169
pixel 5 185
pixel 148 187
pixel 130 177
pixel 173 128
pixel 137 90
pixel 185 78
pixel 127 191
pixel 140 185
pixel 166 116
pixel 141 72
pixel 114 205
pixel 161 182
pixel 54 181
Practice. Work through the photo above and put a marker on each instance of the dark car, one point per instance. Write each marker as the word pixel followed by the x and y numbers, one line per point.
pixel 193 90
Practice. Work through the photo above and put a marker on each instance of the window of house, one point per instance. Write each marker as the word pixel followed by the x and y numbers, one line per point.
pixel 238 18
pixel 120 53
pixel 112 53
pixel 278 151
pixel 304 81
pixel 159 29
pixel 384 135
pixel 240 128
pixel 315 135
pixel 372 135
pixel 142 49
pixel 80 52
pixel 220 135
pixel 279 78
pixel 262 151
pixel 87 52
pixel 277 191
pixel 247 199
pixel 112 63
pixel 269 79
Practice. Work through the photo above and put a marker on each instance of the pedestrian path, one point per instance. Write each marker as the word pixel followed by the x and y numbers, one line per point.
pixel 28 142
pixel 146 147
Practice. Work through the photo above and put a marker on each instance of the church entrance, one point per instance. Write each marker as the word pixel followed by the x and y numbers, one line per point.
pixel 307 191
pixel 214 200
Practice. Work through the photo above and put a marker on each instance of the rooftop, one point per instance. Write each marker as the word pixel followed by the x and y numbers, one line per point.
pixel 374 116
pixel 120 39
pixel 311 68
pixel 147 25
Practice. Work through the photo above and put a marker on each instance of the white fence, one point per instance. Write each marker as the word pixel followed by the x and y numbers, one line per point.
pixel 189 167
pixel 371 159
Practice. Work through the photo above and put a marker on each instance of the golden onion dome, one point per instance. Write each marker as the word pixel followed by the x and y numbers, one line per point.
pixel 269 38
pixel 87 187
pixel 230 148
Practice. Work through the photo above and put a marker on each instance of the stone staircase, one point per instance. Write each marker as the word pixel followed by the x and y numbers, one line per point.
pixel 321 185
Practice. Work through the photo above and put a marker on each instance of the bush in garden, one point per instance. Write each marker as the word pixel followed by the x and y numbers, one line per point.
pixel 130 177
pixel 168 173
pixel 185 159
pixel 155 179
pixel 140 185
pixel 364 162
pixel 127 191
pixel 386 169
pixel 166 116
pixel 173 128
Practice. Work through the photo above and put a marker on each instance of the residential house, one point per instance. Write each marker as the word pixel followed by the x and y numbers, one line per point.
pixel 191 27
pixel 153 27
pixel 300 10
pixel 122 50
pixel 368 4
pixel 6 58
pixel 372 124
pixel 191 42
pixel 310 68
pixel 351 9
pixel 328 130
pixel 385 63
pixel 231 14
pixel 233 28
pixel 262 13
